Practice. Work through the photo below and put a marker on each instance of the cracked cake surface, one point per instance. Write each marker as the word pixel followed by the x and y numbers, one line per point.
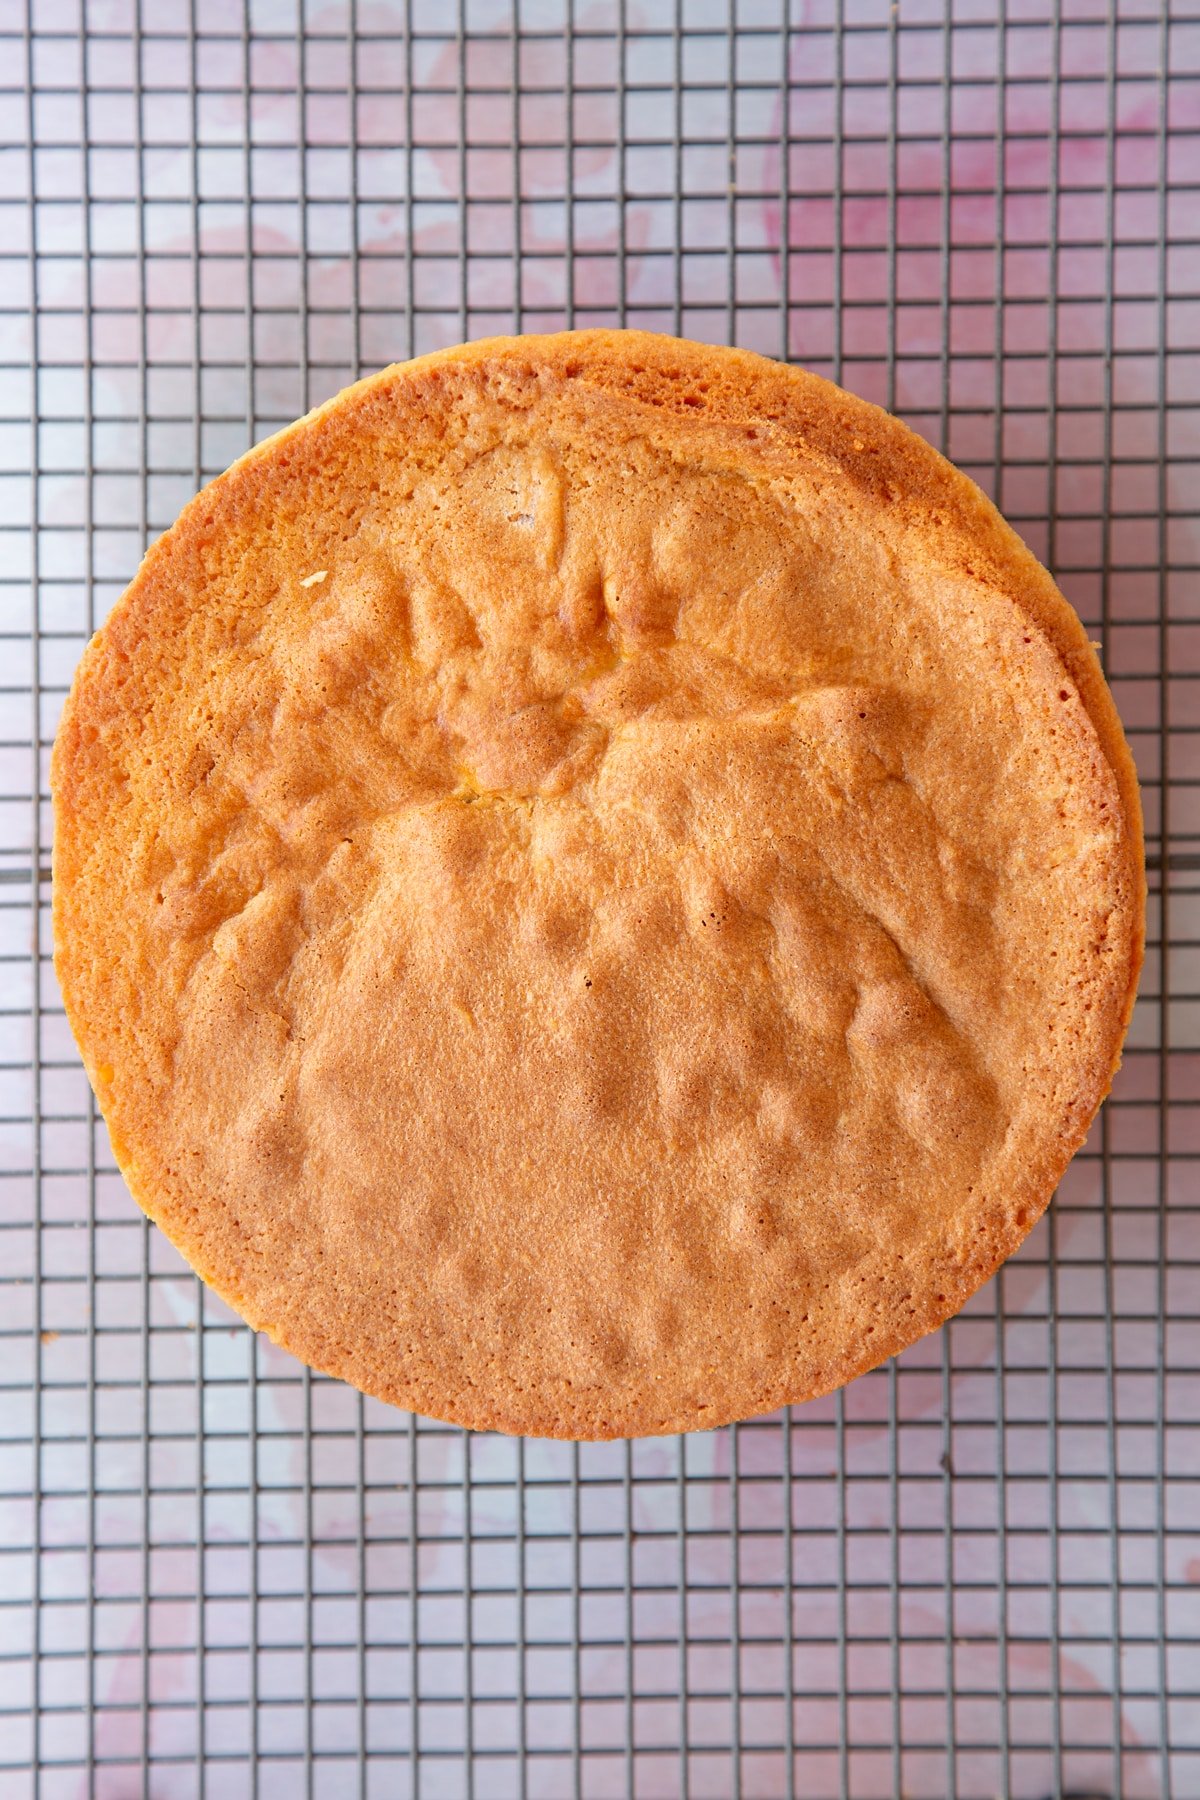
pixel 598 885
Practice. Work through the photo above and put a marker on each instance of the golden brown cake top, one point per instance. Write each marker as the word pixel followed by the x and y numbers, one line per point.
pixel 598 885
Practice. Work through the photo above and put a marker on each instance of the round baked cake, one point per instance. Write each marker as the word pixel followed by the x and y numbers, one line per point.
pixel 598 885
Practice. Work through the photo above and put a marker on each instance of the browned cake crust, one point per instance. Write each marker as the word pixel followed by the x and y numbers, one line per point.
pixel 598 885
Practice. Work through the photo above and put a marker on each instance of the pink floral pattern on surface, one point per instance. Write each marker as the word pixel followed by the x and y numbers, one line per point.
pixel 427 262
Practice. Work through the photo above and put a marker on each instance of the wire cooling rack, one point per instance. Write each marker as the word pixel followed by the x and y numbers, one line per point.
pixel 977 1572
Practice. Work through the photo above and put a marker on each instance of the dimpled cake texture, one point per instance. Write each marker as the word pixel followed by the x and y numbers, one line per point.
pixel 598 885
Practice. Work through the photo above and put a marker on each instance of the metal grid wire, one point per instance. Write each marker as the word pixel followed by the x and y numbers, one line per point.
pixel 977 1571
